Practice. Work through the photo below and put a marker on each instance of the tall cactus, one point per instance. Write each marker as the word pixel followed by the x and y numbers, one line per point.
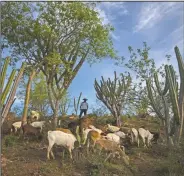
pixel 180 103
pixel 76 103
pixel 8 91
pixel 112 93
pixel 27 97
pixel 176 98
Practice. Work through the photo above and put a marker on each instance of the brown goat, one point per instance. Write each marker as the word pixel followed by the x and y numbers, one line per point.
pixel 31 131
pixel 72 126
pixel 92 137
pixel 113 148
pixel 65 130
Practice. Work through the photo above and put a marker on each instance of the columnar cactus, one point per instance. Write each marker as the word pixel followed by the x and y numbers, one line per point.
pixel 8 91
pixel 112 93
pixel 176 94
pixel 76 104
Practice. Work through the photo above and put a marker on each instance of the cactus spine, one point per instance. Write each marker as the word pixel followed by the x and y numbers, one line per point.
pixel 9 89
pixel 112 93
pixel 176 98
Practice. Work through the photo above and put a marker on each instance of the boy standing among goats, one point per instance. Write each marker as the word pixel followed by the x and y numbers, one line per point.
pixel 83 107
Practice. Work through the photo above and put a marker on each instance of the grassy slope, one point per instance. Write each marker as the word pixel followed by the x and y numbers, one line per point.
pixel 29 158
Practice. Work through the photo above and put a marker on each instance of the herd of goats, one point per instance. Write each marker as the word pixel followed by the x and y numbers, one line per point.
pixel 86 133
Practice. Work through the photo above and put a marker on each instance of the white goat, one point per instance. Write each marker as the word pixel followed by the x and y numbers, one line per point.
pixel 135 136
pixel 120 134
pixel 145 134
pixel 95 129
pixel 60 138
pixel 113 137
pixel 112 128
pixel 16 126
pixel 38 124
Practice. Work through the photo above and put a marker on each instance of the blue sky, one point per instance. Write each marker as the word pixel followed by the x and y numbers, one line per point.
pixel 160 24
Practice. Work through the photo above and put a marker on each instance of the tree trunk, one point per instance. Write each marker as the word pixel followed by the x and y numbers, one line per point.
pixel 118 120
pixel 56 113
pixel 26 102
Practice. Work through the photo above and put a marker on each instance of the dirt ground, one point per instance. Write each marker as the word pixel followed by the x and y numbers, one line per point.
pixel 28 158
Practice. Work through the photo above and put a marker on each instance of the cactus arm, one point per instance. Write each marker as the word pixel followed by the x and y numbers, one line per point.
pixel 152 101
pixel 79 100
pixel 3 72
pixel 166 88
pixel 173 95
pixel 12 93
pixel 181 92
pixel 112 93
pixel 158 85
pixel 180 62
pixel 173 75
pixel 8 86
pixel 76 105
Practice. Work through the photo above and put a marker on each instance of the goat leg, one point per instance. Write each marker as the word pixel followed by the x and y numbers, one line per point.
pixel 108 157
pixel 52 154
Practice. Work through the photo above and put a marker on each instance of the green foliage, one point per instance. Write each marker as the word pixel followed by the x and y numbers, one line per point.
pixel 144 68
pixel 61 32
pixel 58 36
pixel 38 95
pixel 140 63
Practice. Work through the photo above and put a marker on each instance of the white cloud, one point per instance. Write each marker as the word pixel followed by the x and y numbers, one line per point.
pixel 152 13
pixel 118 6
pixel 102 15
pixel 105 13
